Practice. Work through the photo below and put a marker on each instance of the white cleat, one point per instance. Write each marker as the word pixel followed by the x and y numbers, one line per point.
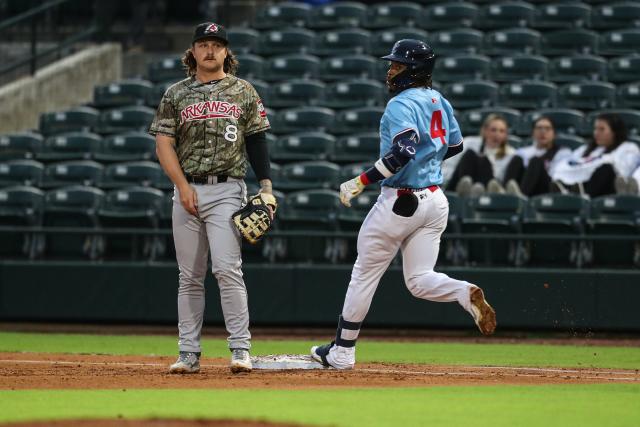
pixel 483 314
pixel 187 363
pixel 240 361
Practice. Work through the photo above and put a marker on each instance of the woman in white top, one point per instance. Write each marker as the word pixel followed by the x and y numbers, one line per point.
pixel 592 169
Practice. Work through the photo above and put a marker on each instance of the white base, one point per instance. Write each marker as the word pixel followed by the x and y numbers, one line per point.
pixel 285 361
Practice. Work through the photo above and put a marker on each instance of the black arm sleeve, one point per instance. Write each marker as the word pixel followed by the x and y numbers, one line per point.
pixel 452 151
pixel 258 155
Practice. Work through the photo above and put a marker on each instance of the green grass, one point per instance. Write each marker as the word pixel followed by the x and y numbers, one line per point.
pixel 584 406
pixel 368 351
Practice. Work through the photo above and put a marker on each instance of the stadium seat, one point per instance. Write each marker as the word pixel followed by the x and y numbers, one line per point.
pixel 495 214
pixel 349 171
pixel 347 67
pixel 528 94
pixel 20 145
pixel 471 94
pixel 21 172
pixel 20 206
pixel 569 42
pixel 615 215
pixel 78 172
pixel 127 146
pixel 566 120
pixel 365 119
pixel 155 95
pixel 251 180
pixel 628 96
pixel 308 175
pixel 121 93
pixel 353 93
pixel 619 42
pixel 166 245
pixel 587 95
pixel 453 251
pixel 623 69
pixel 512 41
pixel 342 14
pixel 471 121
pixel 555 214
pixel 288 40
pixel 449 15
pixel 69 146
pixel 630 117
pixel 617 15
pixel 73 206
pixel 243 40
pixel 361 147
pixel 561 15
pixel 464 40
pixel 280 15
pixel 125 119
pixel 302 146
pixel 296 92
pixel 505 14
pixel 303 119
pixel 141 173
pixel 342 41
pixel 295 66
pixel 250 67
pixel 264 91
pixel 130 208
pixel 519 67
pixel 568 140
pixel 382 41
pixel 567 69
pixel 392 14
pixel 167 69
pixel 462 67
pixel 73 120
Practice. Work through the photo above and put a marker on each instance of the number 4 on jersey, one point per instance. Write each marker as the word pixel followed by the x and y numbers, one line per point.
pixel 437 131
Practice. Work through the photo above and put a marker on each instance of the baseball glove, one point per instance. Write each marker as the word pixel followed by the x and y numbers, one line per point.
pixel 254 219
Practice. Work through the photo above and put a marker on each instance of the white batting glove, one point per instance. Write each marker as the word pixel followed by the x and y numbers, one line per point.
pixel 350 189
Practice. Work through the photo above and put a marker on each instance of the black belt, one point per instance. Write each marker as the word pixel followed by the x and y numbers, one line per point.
pixel 206 179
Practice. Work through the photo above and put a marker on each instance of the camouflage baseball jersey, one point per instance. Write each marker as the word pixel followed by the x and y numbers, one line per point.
pixel 209 123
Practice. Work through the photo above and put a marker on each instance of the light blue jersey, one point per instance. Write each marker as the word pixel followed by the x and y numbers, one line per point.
pixel 430 115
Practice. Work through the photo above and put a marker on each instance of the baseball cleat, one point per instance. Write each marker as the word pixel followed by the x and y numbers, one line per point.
pixel 240 361
pixel 187 363
pixel 483 313
pixel 340 358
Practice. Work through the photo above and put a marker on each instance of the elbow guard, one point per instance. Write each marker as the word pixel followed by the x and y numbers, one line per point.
pixel 402 150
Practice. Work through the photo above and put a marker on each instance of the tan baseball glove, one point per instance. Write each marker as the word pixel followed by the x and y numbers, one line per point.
pixel 254 219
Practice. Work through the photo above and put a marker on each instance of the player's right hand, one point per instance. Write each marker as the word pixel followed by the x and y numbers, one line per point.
pixel 189 199
pixel 350 189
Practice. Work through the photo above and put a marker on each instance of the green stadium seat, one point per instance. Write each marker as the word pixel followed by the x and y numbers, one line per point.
pixel 78 172
pixel 308 175
pixel 294 66
pixel 354 93
pixel 463 40
pixel 340 14
pixel 449 15
pixel 250 67
pixel 528 94
pixel 342 41
pixel 72 120
pixel 243 40
pixel 302 146
pixel 155 95
pixel 73 206
pixel 570 141
pixel 288 40
pixel 562 15
pixel 628 96
pixel 264 91
pixel 347 67
pixel 21 172
pixel 296 92
pixel 382 41
pixel 364 119
pixel 392 14
pixel 166 69
pixel 303 119
pixel 20 206
pixel 519 67
pixel 623 69
pixel 555 214
pixel 471 121
pixel 569 42
pixel 589 95
pixel 567 69
pixel 20 145
pixel 125 119
pixel 360 147
pixel 166 247
pixel 566 120
pixel 462 67
pixel 282 15
pixel 471 94
pixel 512 41
pixel 619 42
pixel 250 177
pixel 505 14
pixel 121 93
pixel 127 146
pixel 624 14
pixel 349 171
pixel 69 146
pixel 140 173
pixel 616 215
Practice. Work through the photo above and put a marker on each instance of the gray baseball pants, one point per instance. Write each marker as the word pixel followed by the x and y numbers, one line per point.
pixel 194 236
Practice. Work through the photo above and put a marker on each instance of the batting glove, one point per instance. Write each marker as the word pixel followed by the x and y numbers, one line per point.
pixel 350 189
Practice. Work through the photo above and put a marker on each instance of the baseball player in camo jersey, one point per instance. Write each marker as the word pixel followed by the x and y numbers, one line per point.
pixel 417 132
pixel 203 127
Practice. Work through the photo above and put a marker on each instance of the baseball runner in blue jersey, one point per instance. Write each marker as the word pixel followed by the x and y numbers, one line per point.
pixel 417 132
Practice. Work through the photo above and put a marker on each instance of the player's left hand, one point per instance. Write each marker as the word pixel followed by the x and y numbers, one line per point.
pixel 350 189
pixel 270 200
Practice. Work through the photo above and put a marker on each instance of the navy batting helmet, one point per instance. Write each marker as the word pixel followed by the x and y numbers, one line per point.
pixel 419 58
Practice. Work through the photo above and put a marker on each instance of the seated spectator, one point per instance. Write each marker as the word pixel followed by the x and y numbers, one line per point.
pixel 593 168
pixel 483 163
